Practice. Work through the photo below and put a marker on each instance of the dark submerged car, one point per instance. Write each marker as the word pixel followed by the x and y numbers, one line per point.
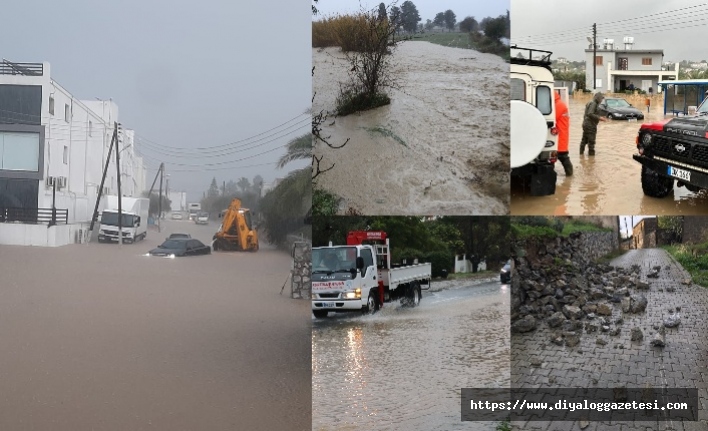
pixel 505 273
pixel 620 109
pixel 180 247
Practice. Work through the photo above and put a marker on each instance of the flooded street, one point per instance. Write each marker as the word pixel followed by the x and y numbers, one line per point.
pixel 609 182
pixel 440 147
pixel 98 336
pixel 403 368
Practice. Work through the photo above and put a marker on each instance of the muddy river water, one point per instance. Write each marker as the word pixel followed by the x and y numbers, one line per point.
pixel 440 147
pixel 609 182
pixel 403 368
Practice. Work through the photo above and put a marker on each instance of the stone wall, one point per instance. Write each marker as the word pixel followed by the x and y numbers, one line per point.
pixel 535 256
pixel 301 272
pixel 695 229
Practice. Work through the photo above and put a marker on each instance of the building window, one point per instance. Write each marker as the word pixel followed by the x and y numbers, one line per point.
pixel 646 61
pixel 66 155
pixel 90 128
pixel 19 151
pixel 67 112
pixel 51 105
pixel 598 60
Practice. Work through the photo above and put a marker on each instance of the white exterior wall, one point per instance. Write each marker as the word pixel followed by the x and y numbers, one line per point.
pixel 86 134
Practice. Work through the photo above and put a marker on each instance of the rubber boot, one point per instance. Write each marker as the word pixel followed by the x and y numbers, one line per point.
pixel 591 151
pixel 567 165
pixel 582 149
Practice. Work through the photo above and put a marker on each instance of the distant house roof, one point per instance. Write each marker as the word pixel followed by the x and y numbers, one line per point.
pixel 626 51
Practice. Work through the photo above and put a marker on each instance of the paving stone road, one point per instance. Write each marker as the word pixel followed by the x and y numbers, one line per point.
pixel 682 363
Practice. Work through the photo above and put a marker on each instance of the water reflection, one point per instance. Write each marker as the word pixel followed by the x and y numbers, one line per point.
pixel 403 368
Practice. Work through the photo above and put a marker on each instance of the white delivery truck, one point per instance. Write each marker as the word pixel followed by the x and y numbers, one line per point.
pixel 360 277
pixel 193 209
pixel 134 222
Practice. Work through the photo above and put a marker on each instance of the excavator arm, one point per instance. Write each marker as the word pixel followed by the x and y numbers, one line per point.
pixel 235 234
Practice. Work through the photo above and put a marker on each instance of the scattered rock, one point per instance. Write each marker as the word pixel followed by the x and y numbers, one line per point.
pixel 671 289
pixel 615 332
pixel 605 328
pixel 642 285
pixel 526 324
pixel 653 274
pixel 572 312
pixel 672 321
pixel 678 308
pixel 556 319
pixel 590 316
pixel 659 338
pixel 637 303
pixel 619 321
pixel 626 305
pixel 590 327
pixel 572 340
pixel 584 424
pixel 557 339
pixel 600 341
pixel 604 309
pixel 687 282
pixel 536 362
pixel 637 334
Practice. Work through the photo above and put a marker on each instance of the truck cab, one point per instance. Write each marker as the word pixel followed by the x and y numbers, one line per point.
pixel 534 135
pixel 133 220
pixel 360 277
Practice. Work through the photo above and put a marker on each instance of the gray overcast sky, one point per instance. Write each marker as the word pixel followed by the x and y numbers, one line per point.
pixel 564 31
pixel 183 73
pixel 426 8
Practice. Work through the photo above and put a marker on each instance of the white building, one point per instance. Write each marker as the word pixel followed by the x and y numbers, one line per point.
pixel 52 139
pixel 178 201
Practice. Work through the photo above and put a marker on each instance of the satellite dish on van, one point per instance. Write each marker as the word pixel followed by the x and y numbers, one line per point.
pixel 528 133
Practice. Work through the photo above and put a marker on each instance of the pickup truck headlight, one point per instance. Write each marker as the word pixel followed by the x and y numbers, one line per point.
pixel 646 139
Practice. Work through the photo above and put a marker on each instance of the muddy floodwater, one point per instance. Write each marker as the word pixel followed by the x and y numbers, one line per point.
pixel 403 368
pixel 609 182
pixel 100 337
pixel 440 147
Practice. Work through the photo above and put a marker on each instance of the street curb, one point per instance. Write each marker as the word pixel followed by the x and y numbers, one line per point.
pixel 472 284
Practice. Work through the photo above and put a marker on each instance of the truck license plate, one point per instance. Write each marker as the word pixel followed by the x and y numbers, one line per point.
pixel 328 305
pixel 679 173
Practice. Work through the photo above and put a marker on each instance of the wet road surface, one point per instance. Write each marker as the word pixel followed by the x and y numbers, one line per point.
pixel 609 182
pixel 99 337
pixel 403 368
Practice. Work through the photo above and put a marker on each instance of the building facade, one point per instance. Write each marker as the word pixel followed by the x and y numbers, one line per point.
pixel 620 68
pixel 54 149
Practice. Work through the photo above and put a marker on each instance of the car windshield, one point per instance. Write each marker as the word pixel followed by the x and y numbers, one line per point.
pixel 173 244
pixel 617 103
pixel 179 235
pixel 111 218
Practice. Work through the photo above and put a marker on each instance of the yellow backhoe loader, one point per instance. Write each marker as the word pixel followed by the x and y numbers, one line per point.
pixel 236 232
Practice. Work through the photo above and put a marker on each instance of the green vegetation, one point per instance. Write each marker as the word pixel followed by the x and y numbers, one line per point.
pixel 548 227
pixel 388 133
pixel 436 241
pixel 606 259
pixel 504 426
pixel 350 100
pixel 694 258
pixel 324 203
pixel 453 39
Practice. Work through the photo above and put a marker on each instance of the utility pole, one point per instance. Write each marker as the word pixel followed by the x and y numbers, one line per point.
pixel 223 189
pixel 120 195
pixel 159 202
pixel 594 56
pixel 103 180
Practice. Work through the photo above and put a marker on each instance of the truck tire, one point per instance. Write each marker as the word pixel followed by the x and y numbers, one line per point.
pixel 412 298
pixel 320 314
pixel 655 185
pixel 371 303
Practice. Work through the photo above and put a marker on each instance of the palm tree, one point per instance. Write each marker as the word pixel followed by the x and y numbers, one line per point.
pixel 286 206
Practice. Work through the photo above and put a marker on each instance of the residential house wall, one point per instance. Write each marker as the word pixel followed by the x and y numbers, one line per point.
pixel 618 68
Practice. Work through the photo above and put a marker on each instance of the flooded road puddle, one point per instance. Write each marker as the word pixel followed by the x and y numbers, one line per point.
pixel 440 147
pixel 609 182
pixel 403 368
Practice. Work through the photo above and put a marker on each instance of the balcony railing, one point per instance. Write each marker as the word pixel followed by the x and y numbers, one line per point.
pixel 27 69
pixel 34 215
